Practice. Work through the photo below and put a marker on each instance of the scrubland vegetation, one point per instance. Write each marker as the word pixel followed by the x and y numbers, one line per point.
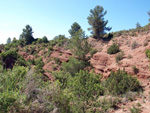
pixel 75 89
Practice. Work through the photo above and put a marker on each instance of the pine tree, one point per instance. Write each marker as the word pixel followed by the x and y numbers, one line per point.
pixel 97 22
pixel 27 34
pixel 138 25
pixel 149 15
pixel 79 45
pixel 9 40
pixel 74 28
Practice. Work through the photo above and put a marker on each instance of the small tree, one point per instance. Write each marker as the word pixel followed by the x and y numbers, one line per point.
pixel 79 45
pixel 27 34
pixel 97 22
pixel 138 25
pixel 45 40
pixel 149 15
pixel 9 40
pixel 74 28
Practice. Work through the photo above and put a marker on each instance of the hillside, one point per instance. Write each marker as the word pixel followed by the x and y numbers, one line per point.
pixel 47 76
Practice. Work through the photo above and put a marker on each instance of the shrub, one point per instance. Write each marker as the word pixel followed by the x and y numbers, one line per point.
pixel 129 56
pixel 119 56
pixel 135 110
pixel 85 85
pixel 134 45
pixel 60 40
pixel 57 60
pixel 10 86
pixel 135 69
pixel 120 83
pixel 73 66
pixel 10 58
pixel 32 50
pixel 39 65
pixel 113 49
pixel 50 48
pixel 92 52
pixel 147 53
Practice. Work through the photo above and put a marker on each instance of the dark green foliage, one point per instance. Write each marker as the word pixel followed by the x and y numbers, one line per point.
pixel 97 22
pixel 120 83
pixel 9 40
pixel 50 48
pixel 93 51
pixel 135 69
pixel 134 45
pixel 10 86
pixel 113 49
pixel 119 56
pixel 148 15
pixel 27 34
pixel 14 40
pixel 10 58
pixel 57 60
pixel 85 85
pixel 135 110
pixel 45 40
pixel 39 41
pixel 39 65
pixel 79 45
pixel 32 49
pixel 63 78
pixel 138 25
pixel 147 53
pixel 60 40
pixel 74 28
pixel 21 42
pixel 73 66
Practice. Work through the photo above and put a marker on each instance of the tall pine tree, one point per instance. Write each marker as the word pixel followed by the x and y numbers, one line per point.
pixel 97 22
pixel 27 34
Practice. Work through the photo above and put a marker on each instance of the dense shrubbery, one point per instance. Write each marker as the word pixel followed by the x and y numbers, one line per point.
pixel 73 66
pixel 10 58
pixel 120 83
pixel 11 83
pixel 60 40
pixel 39 65
pixel 85 85
pixel 113 49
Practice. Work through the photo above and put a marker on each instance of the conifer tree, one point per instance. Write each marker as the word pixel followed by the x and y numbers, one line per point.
pixel 97 22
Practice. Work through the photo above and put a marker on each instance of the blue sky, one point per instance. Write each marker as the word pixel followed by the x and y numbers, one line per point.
pixel 53 17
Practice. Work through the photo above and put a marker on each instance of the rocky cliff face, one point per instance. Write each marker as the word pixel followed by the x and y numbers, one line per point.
pixel 134 55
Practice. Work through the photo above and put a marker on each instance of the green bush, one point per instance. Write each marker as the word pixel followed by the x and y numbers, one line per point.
pixel 119 56
pixel 73 66
pixel 120 83
pixel 113 49
pixel 57 60
pixel 134 45
pixel 135 69
pixel 135 110
pixel 92 52
pixel 39 65
pixel 60 40
pixel 50 48
pixel 10 58
pixel 10 86
pixel 147 53
pixel 85 85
